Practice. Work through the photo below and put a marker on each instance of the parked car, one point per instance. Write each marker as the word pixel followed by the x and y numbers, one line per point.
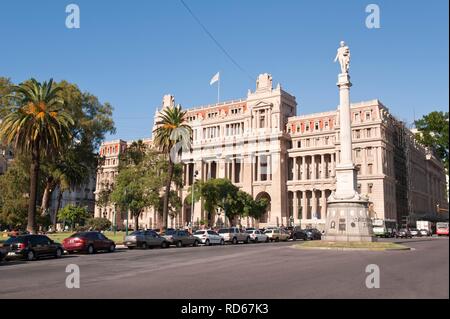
pixel 180 238
pixel 3 253
pixel 89 242
pixel 145 239
pixel 234 235
pixel 209 237
pixel 257 236
pixel 276 234
pixel 297 233
pixel 313 234
pixel 404 233
pixel 415 232
pixel 425 233
pixel 33 247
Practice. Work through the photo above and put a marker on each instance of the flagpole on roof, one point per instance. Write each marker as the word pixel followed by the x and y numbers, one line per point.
pixel 218 91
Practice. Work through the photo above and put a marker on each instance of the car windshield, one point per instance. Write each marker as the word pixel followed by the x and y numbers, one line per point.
pixel 268 231
pixel 78 235
pixel 11 240
pixel 225 230
pixel 250 231
pixel 136 233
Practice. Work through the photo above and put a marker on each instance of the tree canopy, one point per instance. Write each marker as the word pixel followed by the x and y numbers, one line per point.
pixel 434 133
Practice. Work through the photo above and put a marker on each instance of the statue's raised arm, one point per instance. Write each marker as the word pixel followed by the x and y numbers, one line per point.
pixel 343 56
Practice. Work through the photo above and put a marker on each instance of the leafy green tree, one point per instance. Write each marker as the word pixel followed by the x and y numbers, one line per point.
pixel 99 224
pixel 433 132
pixel 13 199
pixel 172 130
pixel 223 194
pixel 73 215
pixel 37 125
pixel 137 187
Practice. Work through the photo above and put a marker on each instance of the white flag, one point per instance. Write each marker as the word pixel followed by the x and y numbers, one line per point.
pixel 215 79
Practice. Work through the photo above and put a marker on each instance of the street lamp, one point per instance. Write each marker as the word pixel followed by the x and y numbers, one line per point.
pixel 194 176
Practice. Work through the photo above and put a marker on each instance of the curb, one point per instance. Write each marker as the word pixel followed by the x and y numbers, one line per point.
pixel 352 249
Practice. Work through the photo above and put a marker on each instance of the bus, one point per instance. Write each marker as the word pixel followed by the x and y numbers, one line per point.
pixel 442 229
pixel 384 227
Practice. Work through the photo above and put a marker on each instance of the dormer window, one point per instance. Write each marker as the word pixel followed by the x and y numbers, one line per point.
pixel 316 126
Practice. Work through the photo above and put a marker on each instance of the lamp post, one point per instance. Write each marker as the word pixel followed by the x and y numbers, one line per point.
pixel 115 220
pixel 126 212
pixel 194 176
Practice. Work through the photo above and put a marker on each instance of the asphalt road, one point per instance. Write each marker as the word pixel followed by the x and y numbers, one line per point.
pixel 241 272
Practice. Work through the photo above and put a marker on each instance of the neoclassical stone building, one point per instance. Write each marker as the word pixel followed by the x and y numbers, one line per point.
pixel 263 147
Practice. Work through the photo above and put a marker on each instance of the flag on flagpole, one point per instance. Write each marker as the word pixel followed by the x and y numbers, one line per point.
pixel 216 78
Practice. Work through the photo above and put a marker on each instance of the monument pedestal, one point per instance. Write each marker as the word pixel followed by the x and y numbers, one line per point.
pixel 347 220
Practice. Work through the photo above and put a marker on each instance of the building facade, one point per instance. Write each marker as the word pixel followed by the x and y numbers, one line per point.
pixel 264 148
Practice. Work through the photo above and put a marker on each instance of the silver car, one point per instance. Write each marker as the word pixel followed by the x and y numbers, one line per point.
pixel 145 239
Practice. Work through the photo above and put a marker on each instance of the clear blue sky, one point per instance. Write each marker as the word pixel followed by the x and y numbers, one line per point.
pixel 131 53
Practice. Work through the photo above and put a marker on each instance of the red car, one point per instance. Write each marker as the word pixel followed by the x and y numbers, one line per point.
pixel 89 242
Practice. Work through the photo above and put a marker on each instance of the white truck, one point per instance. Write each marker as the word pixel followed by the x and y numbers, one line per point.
pixel 423 224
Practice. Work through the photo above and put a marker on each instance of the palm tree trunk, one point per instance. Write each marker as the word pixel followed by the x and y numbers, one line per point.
pixel 167 194
pixel 34 176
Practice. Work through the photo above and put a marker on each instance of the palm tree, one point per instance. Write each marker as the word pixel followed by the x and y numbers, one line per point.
pixel 37 125
pixel 171 132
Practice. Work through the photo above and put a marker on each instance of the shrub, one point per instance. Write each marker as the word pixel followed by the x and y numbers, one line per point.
pixel 99 224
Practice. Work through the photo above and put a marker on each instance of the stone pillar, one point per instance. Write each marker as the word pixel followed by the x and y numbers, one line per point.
pixel 314 205
pixel 322 166
pixel 347 213
pixel 304 205
pixel 295 168
pixel 295 207
pixel 323 211
pixel 313 167
pixel 233 170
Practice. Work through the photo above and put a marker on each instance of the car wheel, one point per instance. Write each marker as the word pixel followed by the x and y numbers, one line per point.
pixel 267 240
pixel 179 244
pixel 144 246
pixel 196 243
pixel 294 238
pixel 164 245
pixel 30 255
pixel 256 240
pixel 247 241
pixel 234 241
pixel 207 242
pixel 130 248
pixel 58 253
pixel 222 242
pixel 112 248
pixel 277 239
pixel 90 249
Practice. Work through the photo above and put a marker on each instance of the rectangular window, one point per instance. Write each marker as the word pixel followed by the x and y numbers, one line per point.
pixel 368 116
pixel 370 188
pixel 316 126
pixel 357 118
pixel 359 188
pixel 369 133
pixel 358 134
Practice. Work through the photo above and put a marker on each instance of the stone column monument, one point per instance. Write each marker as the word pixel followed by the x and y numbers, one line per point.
pixel 347 212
